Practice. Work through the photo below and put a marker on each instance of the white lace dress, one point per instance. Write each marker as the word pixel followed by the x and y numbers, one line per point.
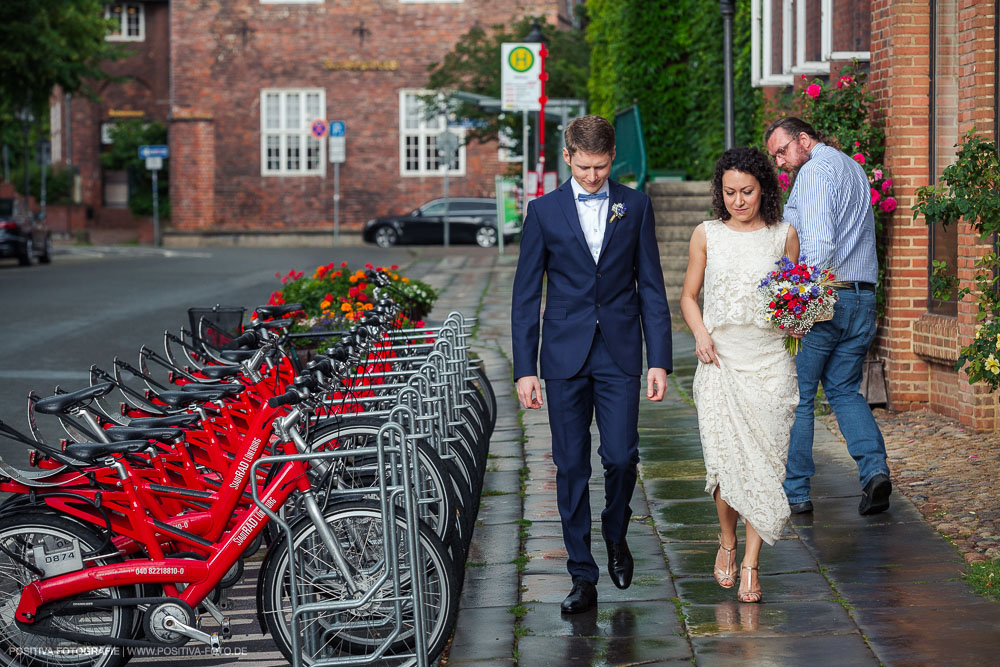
pixel 746 406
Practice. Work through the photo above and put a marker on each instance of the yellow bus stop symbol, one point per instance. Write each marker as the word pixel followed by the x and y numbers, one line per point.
pixel 521 59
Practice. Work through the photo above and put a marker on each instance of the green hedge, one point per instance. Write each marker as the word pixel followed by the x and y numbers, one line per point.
pixel 667 58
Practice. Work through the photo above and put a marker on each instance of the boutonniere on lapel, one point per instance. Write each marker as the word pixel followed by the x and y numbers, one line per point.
pixel 618 211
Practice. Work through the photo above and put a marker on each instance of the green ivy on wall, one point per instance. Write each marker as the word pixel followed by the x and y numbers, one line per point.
pixel 667 58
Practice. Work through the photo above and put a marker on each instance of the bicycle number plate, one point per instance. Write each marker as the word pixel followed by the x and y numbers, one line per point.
pixel 57 556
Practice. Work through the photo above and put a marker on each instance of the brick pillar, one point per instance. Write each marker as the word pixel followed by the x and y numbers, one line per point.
pixel 976 26
pixel 192 171
pixel 899 78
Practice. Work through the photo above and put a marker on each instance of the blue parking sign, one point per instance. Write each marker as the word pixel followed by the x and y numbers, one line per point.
pixel 337 128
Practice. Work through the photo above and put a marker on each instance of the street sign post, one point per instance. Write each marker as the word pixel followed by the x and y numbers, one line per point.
pixel 337 154
pixel 447 146
pixel 154 156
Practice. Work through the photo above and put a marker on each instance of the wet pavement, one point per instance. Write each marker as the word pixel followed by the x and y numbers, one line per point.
pixel 838 588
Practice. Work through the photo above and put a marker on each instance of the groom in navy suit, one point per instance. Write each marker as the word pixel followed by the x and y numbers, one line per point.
pixel 594 241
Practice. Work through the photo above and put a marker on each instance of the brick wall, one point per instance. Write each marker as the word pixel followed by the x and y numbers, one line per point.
pixel 920 348
pixel 225 53
pixel 144 94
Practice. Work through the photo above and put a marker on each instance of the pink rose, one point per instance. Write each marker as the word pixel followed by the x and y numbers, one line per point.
pixel 814 90
pixel 859 158
pixel 888 205
pixel 875 196
pixel 877 174
pixel 886 185
pixel 783 181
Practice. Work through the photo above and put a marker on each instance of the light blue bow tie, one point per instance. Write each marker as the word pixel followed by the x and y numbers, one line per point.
pixel 596 195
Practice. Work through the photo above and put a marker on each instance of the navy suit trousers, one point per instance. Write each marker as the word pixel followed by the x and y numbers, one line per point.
pixel 600 388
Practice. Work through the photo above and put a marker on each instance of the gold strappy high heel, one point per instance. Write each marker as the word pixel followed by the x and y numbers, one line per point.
pixel 726 578
pixel 748 595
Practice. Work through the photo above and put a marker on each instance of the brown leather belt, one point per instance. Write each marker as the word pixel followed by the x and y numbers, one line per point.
pixel 856 286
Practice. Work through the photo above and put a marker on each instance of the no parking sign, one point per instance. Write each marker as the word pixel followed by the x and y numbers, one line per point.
pixel 318 128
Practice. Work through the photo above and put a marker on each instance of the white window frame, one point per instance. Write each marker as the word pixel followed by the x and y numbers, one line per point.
pixel 761 38
pixel 793 52
pixel 283 132
pixel 292 2
pixel 123 35
pixel 423 133
pixel 429 2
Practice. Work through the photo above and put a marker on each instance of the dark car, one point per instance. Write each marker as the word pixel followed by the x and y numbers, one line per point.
pixel 471 220
pixel 27 241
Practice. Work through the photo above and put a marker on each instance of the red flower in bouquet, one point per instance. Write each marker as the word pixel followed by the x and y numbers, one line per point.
pixel 796 296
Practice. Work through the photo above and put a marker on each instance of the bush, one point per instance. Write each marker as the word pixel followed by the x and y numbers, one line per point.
pixel 58 182
pixel 333 297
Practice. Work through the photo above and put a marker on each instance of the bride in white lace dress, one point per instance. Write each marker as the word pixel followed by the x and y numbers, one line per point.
pixel 744 387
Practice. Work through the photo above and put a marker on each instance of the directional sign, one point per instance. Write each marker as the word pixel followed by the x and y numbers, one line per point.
pixel 154 151
pixel 447 145
pixel 337 148
pixel 520 67
pixel 318 128
pixel 154 163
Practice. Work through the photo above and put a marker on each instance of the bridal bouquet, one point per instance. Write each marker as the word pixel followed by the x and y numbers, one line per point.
pixel 795 297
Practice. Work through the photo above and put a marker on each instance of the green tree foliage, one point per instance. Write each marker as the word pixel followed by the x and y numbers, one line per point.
pixel 667 58
pixel 48 43
pixel 473 66
pixel 126 138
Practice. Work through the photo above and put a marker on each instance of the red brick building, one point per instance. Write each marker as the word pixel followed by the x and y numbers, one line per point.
pixel 80 126
pixel 933 67
pixel 240 82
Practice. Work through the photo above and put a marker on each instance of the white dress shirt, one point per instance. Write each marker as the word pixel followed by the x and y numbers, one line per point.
pixel 593 216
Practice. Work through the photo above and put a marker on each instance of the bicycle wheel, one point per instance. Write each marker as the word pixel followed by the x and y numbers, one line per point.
pixel 359 530
pixel 485 387
pixel 26 537
pixel 436 500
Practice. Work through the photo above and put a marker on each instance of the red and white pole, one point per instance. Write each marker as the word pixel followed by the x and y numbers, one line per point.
pixel 543 77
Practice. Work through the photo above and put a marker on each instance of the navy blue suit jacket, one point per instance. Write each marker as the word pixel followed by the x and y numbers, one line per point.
pixel 624 289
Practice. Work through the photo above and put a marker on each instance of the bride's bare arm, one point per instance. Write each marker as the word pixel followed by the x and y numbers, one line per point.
pixel 694 279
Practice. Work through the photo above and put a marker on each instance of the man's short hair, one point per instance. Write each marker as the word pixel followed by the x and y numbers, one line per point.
pixel 793 126
pixel 590 134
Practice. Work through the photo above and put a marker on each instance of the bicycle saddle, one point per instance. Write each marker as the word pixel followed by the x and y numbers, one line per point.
pixel 183 399
pixel 60 403
pixel 227 390
pixel 219 372
pixel 163 422
pixel 237 356
pixel 164 435
pixel 277 312
pixel 91 451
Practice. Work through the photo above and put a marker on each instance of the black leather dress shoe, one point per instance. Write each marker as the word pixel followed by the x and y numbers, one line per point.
pixel 875 497
pixel 801 508
pixel 620 563
pixel 581 598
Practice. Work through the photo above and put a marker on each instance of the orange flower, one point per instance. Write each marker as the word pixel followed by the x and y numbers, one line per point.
pixel 353 279
pixel 368 306
pixel 324 305
pixel 346 307
pixel 405 279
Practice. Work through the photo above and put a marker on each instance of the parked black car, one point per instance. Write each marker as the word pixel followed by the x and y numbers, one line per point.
pixel 471 220
pixel 27 241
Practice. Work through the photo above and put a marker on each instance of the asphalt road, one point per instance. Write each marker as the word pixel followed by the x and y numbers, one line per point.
pixel 93 303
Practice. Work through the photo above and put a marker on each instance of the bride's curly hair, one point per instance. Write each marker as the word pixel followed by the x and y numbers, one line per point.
pixel 754 162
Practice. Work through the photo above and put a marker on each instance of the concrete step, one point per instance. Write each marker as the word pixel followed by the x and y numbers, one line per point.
pixel 691 218
pixel 673 263
pixel 667 233
pixel 679 188
pixel 681 203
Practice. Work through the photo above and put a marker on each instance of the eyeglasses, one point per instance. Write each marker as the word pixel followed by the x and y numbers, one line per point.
pixel 781 151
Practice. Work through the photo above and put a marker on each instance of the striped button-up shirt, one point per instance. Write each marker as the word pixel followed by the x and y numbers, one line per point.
pixel 830 208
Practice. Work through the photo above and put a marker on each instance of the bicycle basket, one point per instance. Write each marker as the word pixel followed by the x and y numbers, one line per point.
pixel 216 326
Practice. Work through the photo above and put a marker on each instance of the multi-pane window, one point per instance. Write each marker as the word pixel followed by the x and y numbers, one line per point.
pixel 128 21
pixel 418 134
pixel 944 136
pixel 287 145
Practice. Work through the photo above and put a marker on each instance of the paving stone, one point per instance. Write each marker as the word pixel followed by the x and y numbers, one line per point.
pixel 489 586
pixel 622 619
pixel 731 617
pixel 499 509
pixel 505 481
pixel 698 558
pixel 776 588
pixel 485 633
pixel 495 543
pixel 548 555
pixel 599 652
pixel 917 594
pixel 824 650
pixel 553 588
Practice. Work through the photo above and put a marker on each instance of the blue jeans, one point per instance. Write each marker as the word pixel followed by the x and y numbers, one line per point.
pixel 833 353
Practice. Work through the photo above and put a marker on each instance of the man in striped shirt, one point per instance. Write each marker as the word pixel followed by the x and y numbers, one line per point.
pixel 830 208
